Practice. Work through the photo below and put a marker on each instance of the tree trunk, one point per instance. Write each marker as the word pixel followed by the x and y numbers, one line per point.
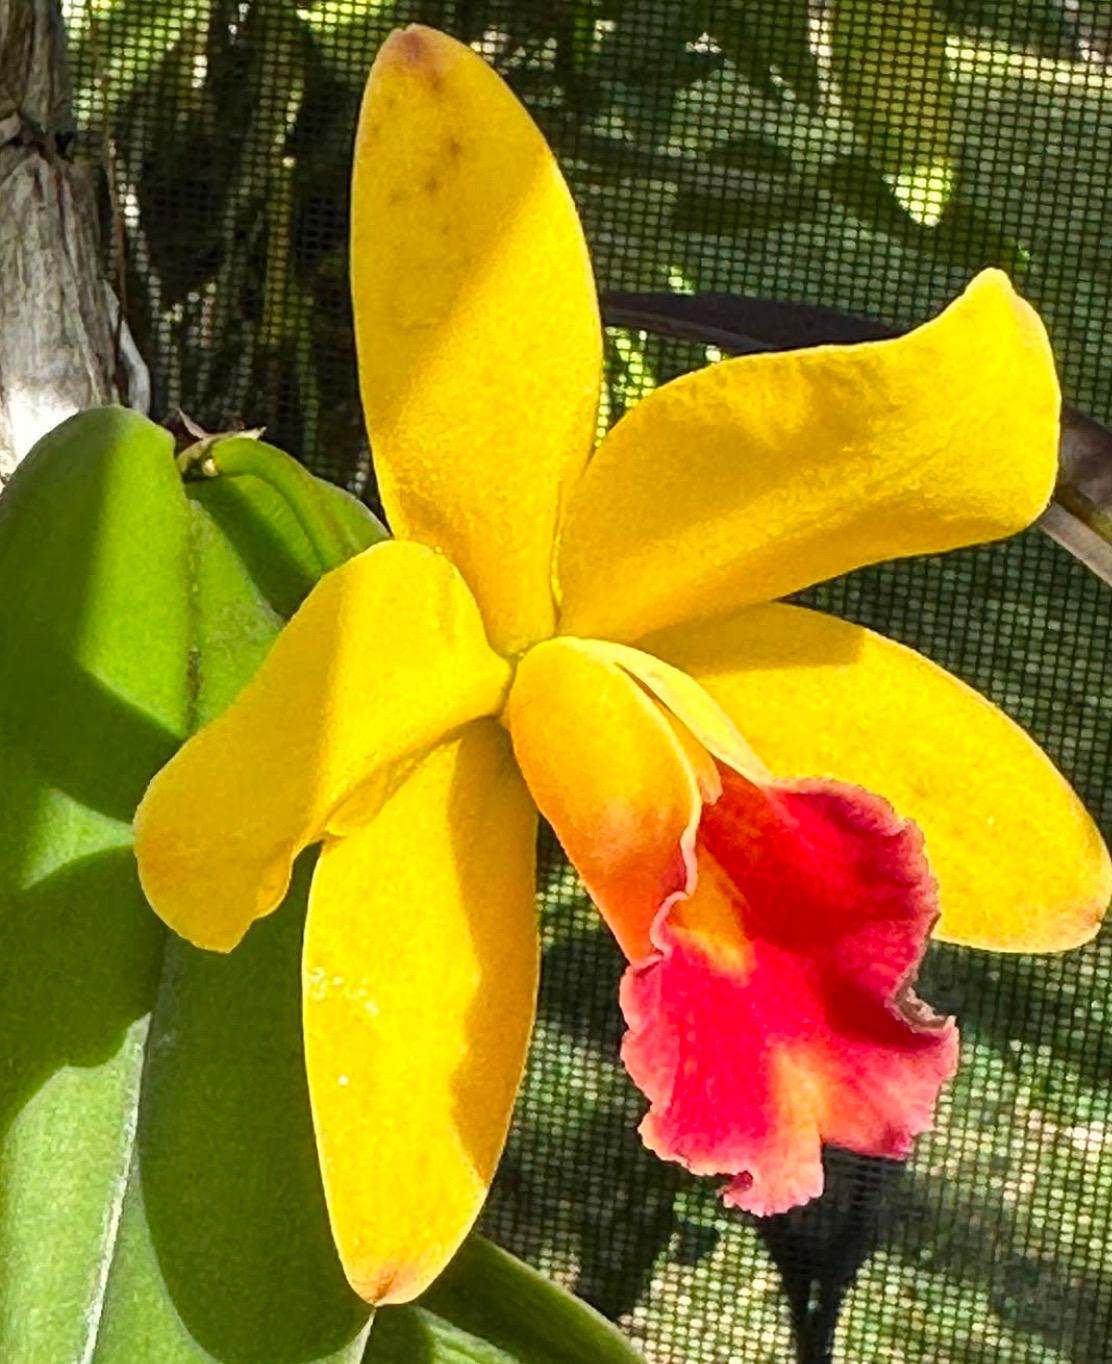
pixel 58 343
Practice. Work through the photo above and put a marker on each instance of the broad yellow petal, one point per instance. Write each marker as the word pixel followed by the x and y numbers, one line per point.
pixel 386 655
pixel 477 324
pixel 1021 866
pixel 613 777
pixel 420 974
pixel 755 477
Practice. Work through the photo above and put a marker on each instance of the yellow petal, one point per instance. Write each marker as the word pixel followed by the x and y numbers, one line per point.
pixel 420 975
pixel 610 773
pixel 476 320
pixel 682 697
pixel 757 476
pixel 1021 866
pixel 386 655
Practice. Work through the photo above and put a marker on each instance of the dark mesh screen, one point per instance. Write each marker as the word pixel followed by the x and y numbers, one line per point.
pixel 994 1242
pixel 869 155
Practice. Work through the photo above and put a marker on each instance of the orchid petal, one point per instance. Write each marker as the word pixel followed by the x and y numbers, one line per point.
pixel 1020 864
pixel 755 477
pixel 385 656
pixel 477 324
pixel 420 973
pixel 776 1014
pixel 683 699
pixel 609 772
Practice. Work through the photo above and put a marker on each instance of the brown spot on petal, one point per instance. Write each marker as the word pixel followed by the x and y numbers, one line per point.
pixel 416 48
pixel 408 44
pixel 432 184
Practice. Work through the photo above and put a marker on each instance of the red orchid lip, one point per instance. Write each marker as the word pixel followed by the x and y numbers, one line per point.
pixel 777 1011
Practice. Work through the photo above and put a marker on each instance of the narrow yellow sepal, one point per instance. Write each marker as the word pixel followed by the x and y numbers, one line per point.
pixel 477 327
pixel 420 974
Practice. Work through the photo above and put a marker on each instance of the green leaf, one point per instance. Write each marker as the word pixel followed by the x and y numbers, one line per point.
pixel 161 1197
pixel 1049 27
pixel 964 236
pixel 119 44
pixel 267 515
pixel 260 526
pixel 767 38
pixel 889 58
pixel 223 1250
pixel 94 633
pixel 333 522
pixel 489 1308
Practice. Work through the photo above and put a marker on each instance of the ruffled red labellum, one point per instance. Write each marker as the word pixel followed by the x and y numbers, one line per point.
pixel 776 1012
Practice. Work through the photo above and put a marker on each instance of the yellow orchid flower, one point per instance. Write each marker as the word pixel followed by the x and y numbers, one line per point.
pixel 592 634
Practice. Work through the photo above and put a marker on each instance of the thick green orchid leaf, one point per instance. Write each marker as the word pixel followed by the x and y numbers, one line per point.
pixel 160 1195
pixel 94 638
pixel 489 1308
pixel 223 1250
